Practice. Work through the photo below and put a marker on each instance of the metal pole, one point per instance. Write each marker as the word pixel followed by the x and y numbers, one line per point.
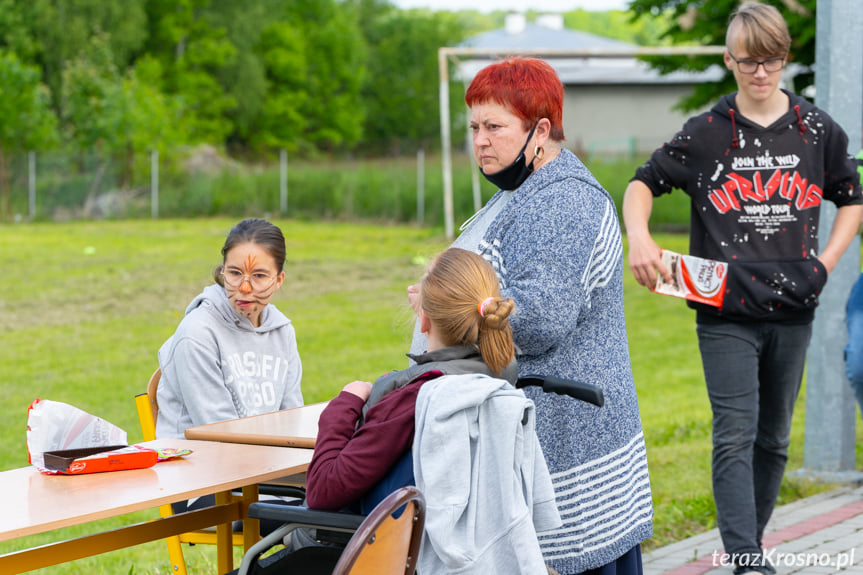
pixel 421 194
pixel 492 53
pixel 830 405
pixel 154 184
pixel 283 180
pixel 446 144
pixel 31 181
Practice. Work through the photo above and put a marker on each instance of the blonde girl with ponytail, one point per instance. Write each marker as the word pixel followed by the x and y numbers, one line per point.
pixel 459 304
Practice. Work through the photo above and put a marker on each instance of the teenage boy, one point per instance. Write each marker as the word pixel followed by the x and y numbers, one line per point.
pixel 756 169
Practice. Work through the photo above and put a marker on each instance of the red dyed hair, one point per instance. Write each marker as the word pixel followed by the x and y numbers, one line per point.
pixel 528 87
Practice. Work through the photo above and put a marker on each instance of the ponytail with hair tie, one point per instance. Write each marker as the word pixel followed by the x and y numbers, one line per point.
pixel 451 295
pixel 481 307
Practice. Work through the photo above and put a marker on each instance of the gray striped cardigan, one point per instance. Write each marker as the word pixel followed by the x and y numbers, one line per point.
pixel 557 250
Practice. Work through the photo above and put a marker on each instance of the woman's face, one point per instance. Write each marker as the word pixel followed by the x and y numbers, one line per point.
pixel 498 136
pixel 251 279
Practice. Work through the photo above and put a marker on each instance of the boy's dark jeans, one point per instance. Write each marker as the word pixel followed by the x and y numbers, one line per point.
pixel 753 373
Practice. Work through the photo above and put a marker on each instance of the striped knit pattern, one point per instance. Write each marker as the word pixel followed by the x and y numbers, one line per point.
pixel 591 523
pixel 607 252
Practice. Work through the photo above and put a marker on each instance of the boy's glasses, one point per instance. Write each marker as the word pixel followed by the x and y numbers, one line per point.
pixel 258 280
pixel 751 66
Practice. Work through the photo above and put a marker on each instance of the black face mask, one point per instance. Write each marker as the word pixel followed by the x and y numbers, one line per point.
pixel 514 175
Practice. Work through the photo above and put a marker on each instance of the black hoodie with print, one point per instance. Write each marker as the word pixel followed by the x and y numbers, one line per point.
pixel 756 195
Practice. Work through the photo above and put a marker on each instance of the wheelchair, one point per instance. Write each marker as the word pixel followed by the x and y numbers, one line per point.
pixel 387 540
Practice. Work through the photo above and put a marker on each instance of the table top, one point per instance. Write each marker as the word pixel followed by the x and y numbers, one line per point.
pixel 295 427
pixel 33 502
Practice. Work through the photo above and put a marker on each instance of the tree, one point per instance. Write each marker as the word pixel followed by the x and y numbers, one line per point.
pixel 91 113
pixel 15 31
pixel 244 77
pixel 53 32
pixel 193 52
pixel 336 51
pixel 116 114
pixel 153 117
pixel 150 119
pixel 26 119
pixel 280 96
pixel 281 121
pixel 267 78
pixel 704 22
pixel 618 25
pixel 401 89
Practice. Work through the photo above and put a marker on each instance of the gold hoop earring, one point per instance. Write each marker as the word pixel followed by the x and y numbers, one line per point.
pixel 539 152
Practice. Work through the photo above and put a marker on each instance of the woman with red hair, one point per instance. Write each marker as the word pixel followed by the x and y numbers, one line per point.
pixel 552 236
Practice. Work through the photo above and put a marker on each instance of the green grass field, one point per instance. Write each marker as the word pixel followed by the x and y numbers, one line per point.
pixel 85 307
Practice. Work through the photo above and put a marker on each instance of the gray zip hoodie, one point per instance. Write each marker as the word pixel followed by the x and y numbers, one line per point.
pixel 478 462
pixel 218 366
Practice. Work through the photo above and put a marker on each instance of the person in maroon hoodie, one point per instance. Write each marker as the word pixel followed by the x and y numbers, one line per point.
pixel 756 169
pixel 367 430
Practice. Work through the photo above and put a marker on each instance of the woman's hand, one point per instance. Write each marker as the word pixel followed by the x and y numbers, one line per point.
pixel 362 389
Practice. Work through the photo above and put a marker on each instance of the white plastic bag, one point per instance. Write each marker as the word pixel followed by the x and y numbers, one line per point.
pixel 54 426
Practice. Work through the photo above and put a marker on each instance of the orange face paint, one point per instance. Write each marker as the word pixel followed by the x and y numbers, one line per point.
pixel 251 262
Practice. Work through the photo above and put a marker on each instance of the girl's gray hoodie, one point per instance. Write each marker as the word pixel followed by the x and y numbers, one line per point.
pixel 218 366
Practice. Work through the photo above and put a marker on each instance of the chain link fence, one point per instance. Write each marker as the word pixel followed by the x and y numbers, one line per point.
pixel 57 186
pixel 61 187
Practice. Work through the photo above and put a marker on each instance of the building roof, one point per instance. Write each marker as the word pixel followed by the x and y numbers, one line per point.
pixel 532 36
pixel 548 34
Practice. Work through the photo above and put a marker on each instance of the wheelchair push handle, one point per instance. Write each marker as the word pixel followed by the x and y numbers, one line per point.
pixel 577 389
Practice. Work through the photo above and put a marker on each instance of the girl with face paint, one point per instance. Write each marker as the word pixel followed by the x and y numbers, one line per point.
pixel 234 353
pixel 551 233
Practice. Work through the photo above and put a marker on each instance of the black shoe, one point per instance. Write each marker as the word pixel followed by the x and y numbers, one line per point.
pixel 755 564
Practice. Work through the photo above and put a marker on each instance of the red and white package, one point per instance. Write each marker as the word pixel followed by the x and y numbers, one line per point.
pixel 99 459
pixel 693 278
